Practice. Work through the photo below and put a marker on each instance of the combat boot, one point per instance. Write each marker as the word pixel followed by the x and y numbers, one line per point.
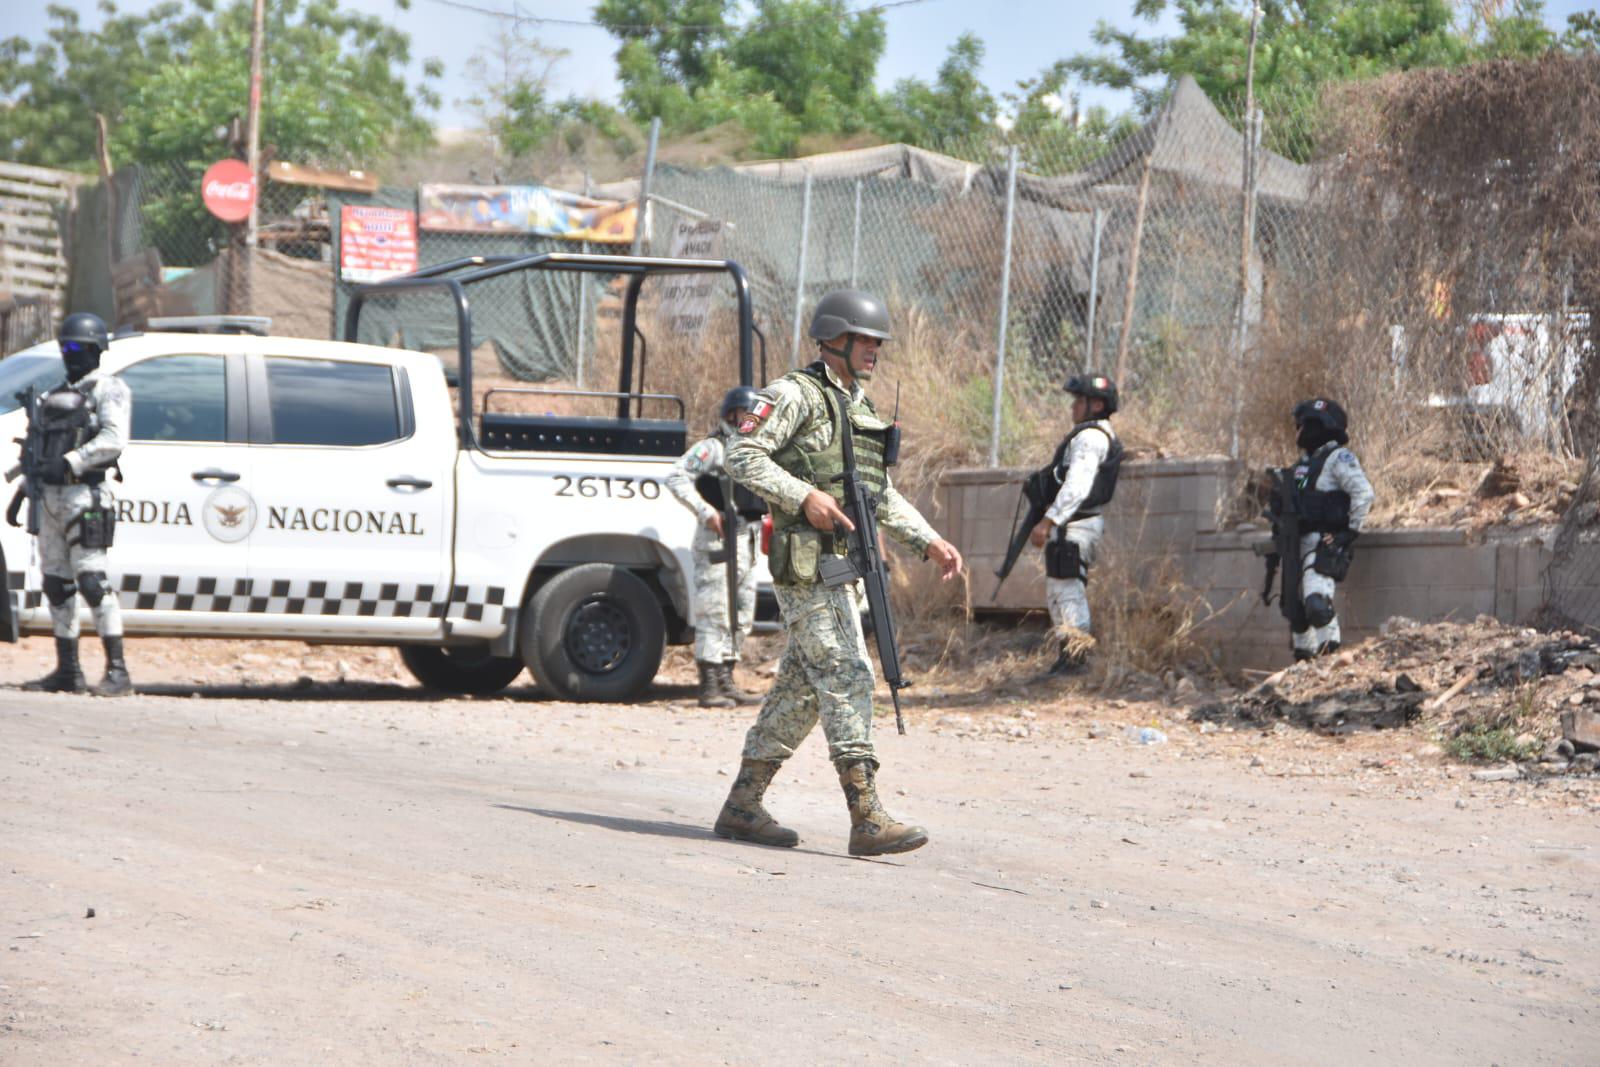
pixel 1068 664
pixel 873 831
pixel 711 695
pixel 68 675
pixel 743 817
pixel 730 689
pixel 116 683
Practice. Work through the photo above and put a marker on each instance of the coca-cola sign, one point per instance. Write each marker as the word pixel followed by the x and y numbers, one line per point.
pixel 229 190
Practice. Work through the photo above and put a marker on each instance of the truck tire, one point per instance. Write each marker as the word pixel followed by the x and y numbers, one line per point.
pixel 468 670
pixel 594 633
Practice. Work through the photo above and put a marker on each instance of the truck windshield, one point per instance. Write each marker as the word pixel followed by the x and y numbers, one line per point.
pixel 43 369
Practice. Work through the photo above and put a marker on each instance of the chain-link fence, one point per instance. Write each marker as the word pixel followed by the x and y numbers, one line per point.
pixel 1218 282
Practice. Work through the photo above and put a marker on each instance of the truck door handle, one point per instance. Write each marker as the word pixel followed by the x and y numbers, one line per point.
pixel 212 474
pixel 409 482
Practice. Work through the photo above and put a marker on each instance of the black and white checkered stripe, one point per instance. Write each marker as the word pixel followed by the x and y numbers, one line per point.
pixel 22 598
pixel 301 596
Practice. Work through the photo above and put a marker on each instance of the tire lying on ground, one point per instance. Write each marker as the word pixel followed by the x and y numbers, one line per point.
pixel 468 670
pixel 594 633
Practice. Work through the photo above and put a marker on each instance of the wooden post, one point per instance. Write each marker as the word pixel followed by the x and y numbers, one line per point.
pixel 1132 291
pixel 102 138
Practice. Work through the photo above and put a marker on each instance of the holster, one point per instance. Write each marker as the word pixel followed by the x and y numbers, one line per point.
pixel 1332 561
pixel 1063 559
pixel 95 526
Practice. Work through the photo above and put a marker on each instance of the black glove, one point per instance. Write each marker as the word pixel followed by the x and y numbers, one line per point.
pixel 1344 539
pixel 54 470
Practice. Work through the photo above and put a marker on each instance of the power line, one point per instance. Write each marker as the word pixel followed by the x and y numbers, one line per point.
pixel 513 16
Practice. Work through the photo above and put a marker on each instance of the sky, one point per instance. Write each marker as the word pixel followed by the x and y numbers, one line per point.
pixel 1022 38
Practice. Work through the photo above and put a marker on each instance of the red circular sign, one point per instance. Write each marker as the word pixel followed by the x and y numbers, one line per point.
pixel 229 190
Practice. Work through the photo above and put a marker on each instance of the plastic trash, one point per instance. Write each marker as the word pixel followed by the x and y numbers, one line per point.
pixel 1145 735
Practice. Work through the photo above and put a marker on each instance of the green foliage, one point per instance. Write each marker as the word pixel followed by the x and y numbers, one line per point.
pixel 956 108
pixel 795 67
pixel 166 80
pixel 1489 744
pixel 1301 45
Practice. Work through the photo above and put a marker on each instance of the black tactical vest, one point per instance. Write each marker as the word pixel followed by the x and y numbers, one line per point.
pixel 1105 479
pixel 1321 510
pixel 67 420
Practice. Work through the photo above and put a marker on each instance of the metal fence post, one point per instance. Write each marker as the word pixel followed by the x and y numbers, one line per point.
pixel 583 299
pixel 1098 228
pixel 1005 309
pixel 800 269
pixel 644 186
pixel 855 239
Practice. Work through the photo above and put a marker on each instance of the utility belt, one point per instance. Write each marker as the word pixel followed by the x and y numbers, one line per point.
pixel 94 478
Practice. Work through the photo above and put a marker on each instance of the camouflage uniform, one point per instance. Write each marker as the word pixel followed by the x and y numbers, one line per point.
pixel 713 640
pixel 824 672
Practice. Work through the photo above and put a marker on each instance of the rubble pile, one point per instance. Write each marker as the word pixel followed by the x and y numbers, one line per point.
pixel 1521 490
pixel 1489 691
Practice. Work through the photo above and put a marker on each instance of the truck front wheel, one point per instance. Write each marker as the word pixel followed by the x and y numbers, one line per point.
pixel 594 633
pixel 469 670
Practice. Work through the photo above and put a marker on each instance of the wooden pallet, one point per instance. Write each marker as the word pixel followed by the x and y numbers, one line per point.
pixel 33 260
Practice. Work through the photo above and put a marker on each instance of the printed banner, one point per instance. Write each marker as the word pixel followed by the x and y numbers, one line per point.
pixel 376 242
pixel 531 209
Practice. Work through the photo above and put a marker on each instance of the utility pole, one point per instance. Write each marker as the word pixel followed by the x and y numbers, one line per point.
pixel 1252 134
pixel 252 125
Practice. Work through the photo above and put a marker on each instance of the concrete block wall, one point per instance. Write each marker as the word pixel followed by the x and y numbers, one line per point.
pixel 1169 508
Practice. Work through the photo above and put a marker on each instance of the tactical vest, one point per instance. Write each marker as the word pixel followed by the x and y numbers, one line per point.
pixel 868 436
pixel 1105 479
pixel 67 420
pixel 1321 510
pixel 746 504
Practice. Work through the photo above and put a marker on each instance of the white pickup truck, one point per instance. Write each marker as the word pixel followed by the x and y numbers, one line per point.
pixel 328 492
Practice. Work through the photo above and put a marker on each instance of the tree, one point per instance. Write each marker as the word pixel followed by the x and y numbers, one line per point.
pixel 1302 44
pixel 679 36
pixel 795 67
pixel 956 110
pixel 54 89
pixel 168 79
pixel 512 74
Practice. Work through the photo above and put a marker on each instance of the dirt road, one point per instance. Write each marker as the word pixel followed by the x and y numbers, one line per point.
pixel 395 880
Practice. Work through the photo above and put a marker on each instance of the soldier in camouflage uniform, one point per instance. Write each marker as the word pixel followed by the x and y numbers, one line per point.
pixel 789 452
pixel 698 481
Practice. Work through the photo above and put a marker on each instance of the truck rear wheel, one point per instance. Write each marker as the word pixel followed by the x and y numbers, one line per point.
pixel 595 633
pixel 469 670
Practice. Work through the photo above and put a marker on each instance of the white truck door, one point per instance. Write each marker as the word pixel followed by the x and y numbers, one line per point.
pixel 185 505
pixel 355 495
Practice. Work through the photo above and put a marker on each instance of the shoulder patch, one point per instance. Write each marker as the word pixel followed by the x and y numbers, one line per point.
pixel 763 408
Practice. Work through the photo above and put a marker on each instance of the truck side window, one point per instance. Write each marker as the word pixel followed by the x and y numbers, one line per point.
pixel 327 402
pixel 179 398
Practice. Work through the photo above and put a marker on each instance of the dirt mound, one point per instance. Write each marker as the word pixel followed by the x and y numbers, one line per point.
pixel 1490 692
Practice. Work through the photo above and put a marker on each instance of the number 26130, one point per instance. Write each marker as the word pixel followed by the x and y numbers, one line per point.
pixel 592 485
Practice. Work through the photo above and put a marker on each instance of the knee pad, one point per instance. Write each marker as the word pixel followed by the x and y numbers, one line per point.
pixel 95 585
pixel 58 590
pixel 1319 609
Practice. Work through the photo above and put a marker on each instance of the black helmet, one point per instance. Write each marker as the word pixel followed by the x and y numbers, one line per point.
pixel 83 338
pixel 740 396
pixel 1094 387
pixel 1318 421
pixel 850 311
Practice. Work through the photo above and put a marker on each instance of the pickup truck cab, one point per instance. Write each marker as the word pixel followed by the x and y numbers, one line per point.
pixel 331 492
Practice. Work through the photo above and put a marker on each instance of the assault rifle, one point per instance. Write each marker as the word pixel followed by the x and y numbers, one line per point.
pixel 865 560
pixel 1283 553
pixel 1039 491
pixel 30 466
